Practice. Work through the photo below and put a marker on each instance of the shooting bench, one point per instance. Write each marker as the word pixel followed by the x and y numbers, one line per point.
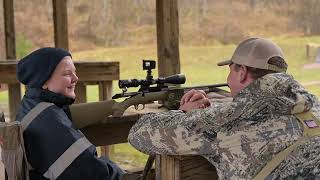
pixel 114 130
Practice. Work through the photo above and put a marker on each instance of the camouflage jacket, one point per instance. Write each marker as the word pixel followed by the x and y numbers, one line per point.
pixel 240 137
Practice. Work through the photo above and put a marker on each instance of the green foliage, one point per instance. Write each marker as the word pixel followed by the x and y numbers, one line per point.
pixel 3 97
pixel 23 46
pixel 127 156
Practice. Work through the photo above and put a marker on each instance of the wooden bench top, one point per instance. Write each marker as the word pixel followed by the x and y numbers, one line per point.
pixel 86 71
pixel 113 130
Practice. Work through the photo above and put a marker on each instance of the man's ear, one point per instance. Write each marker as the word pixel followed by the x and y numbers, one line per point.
pixel 243 73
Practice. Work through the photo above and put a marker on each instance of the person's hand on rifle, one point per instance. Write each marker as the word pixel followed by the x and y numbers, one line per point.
pixel 194 99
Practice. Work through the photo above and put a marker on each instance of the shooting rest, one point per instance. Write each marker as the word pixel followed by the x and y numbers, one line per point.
pixel 115 130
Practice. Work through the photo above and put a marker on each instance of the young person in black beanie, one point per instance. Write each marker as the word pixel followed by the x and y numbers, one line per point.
pixel 54 148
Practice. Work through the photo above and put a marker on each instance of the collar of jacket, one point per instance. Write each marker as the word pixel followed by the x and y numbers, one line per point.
pixel 279 93
pixel 49 96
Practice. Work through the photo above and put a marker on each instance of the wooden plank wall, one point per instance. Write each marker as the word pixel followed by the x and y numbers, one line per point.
pixel 10 41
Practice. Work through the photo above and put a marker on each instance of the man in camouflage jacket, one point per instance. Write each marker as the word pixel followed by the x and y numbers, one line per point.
pixel 242 136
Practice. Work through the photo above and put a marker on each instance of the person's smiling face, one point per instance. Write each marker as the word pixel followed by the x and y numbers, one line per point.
pixel 63 79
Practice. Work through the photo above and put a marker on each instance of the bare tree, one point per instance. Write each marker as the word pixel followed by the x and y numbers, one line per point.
pixel 307 16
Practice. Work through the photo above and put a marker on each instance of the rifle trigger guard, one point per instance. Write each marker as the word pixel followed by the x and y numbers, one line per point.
pixel 136 107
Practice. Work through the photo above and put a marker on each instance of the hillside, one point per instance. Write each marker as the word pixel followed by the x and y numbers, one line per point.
pixel 114 23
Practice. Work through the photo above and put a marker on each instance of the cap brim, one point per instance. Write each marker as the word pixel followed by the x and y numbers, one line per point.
pixel 223 63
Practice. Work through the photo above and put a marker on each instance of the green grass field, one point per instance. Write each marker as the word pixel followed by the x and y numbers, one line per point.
pixel 199 65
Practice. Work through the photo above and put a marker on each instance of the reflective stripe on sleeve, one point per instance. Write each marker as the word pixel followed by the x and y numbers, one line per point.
pixel 57 168
pixel 33 113
pixel 28 118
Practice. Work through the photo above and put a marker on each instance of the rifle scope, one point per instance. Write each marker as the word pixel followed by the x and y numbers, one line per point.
pixel 173 79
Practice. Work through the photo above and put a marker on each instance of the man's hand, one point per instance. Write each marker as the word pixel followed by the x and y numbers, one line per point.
pixel 194 99
pixel 193 95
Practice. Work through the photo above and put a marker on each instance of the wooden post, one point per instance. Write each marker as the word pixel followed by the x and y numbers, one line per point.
pixel 168 64
pixel 61 40
pixel 184 168
pixel 105 92
pixel 168 37
pixel 308 51
pixel 167 168
pixel 10 41
pixel 60 19
pixel 81 93
pixel 10 38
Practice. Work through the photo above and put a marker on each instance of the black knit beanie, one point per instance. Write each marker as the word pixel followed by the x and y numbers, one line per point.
pixel 36 68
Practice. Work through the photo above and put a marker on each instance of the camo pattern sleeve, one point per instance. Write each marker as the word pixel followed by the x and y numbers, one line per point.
pixel 240 137
pixel 174 133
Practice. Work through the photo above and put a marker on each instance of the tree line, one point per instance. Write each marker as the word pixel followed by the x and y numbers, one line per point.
pixel 132 22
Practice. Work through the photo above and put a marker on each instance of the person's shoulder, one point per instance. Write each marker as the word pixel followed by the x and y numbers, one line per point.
pixel 50 111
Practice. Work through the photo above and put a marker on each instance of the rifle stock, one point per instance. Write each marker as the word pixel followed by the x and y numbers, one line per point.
pixel 146 98
pixel 86 114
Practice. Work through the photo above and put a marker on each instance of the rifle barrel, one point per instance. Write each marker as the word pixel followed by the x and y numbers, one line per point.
pixel 208 88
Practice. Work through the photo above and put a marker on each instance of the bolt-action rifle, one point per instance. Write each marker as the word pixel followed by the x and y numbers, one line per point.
pixel 163 89
pixel 161 92
pixel 168 96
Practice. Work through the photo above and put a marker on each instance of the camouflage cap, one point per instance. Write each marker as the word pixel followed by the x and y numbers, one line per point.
pixel 256 52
